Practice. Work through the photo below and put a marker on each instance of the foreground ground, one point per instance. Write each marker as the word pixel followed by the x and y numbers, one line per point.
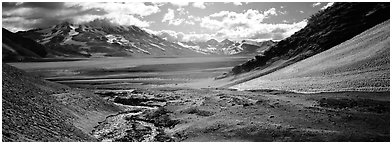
pixel 225 115
pixel 157 104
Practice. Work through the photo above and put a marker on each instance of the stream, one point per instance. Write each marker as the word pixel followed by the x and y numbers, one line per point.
pixel 139 121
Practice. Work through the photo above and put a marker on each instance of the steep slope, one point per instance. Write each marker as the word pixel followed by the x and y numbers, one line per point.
pixel 18 48
pixel 324 30
pixel 359 64
pixel 38 110
pixel 102 38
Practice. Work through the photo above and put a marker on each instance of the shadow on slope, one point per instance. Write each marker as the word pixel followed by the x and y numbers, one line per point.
pixel 18 48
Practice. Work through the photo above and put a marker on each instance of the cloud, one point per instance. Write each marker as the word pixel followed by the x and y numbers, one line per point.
pixel 168 16
pixel 28 15
pixel 194 18
pixel 180 3
pixel 328 5
pixel 182 11
pixel 261 32
pixel 316 4
pixel 132 8
pixel 176 22
pixel 199 5
pixel 249 24
pixel 235 3
pixel 271 11
pixel 180 36
pixel 169 35
pixel 233 19
pixel 125 20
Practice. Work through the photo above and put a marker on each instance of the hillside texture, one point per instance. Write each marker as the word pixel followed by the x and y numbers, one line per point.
pixel 324 30
pixel 359 64
pixel 38 110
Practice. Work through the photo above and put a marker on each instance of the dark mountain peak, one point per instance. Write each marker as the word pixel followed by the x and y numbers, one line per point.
pixel 18 48
pixel 5 31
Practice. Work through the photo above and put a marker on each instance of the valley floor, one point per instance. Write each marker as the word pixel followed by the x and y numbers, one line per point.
pixel 159 104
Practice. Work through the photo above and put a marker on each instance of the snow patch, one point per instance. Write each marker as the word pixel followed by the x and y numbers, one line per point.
pixel 117 39
pixel 157 46
pixel 194 48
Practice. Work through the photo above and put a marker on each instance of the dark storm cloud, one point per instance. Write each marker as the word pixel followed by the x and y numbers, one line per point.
pixel 41 14
pixel 45 5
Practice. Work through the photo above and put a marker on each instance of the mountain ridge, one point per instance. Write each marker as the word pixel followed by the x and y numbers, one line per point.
pixel 102 38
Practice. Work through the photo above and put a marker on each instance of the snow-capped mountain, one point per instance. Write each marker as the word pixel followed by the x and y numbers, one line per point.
pixel 102 38
pixel 227 47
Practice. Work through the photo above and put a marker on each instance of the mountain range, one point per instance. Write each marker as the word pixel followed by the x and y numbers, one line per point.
pixel 101 38
pixel 227 47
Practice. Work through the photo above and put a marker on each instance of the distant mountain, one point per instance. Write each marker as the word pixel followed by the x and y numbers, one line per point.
pixel 324 30
pixel 213 42
pixel 227 47
pixel 18 48
pixel 226 42
pixel 102 38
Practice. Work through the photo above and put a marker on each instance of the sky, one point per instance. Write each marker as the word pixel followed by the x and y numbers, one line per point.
pixel 175 21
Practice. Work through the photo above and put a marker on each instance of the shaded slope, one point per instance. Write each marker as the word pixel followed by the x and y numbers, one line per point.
pixel 38 110
pixel 324 30
pixel 18 48
pixel 359 64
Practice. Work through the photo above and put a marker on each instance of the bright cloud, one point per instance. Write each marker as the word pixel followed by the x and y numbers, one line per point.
pixel 316 4
pixel 262 31
pixel 199 5
pixel 249 24
pixel 328 5
pixel 235 3
pixel 180 36
pixel 168 16
pixel 234 20
pixel 180 3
